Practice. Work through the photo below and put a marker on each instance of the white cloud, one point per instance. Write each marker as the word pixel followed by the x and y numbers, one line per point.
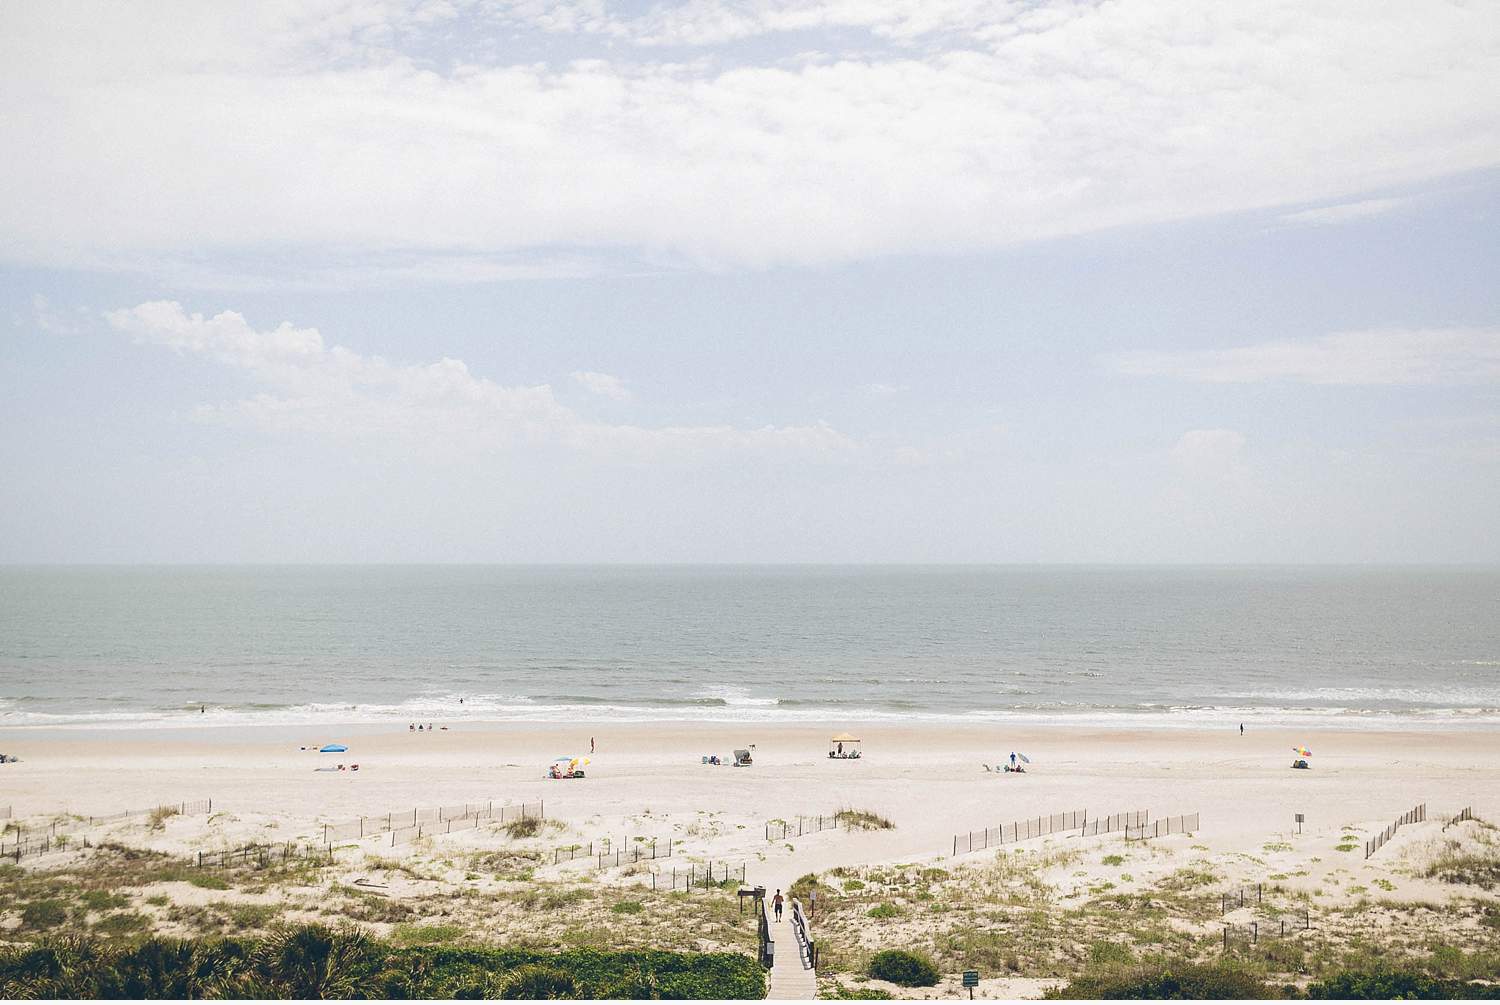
pixel 602 384
pixel 884 390
pixel 1422 356
pixel 312 387
pixel 1344 212
pixel 389 137
pixel 1209 451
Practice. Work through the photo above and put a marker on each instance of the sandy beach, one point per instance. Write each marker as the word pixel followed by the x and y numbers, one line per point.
pixel 647 782
pixel 928 779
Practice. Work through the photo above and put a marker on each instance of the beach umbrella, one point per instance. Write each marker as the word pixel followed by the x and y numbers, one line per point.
pixel 1303 751
pixel 333 748
pixel 1024 758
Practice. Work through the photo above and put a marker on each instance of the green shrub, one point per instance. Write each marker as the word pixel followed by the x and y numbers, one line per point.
pixel 103 900
pixel 910 970
pixel 1114 860
pixel 1179 982
pixel 628 907
pixel 121 923
pixel 884 911
pixel 537 982
pixel 44 914
pixel 313 961
pixel 1388 985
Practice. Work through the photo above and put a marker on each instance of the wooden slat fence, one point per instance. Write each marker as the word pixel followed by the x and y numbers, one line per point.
pixel 780 830
pixel 434 820
pixel 1254 932
pixel 708 874
pixel 1114 822
pixel 1021 830
pixel 1184 824
pixel 1415 815
pixel 263 855
pixel 1467 813
pixel 636 851
pixel 1231 900
pixel 441 823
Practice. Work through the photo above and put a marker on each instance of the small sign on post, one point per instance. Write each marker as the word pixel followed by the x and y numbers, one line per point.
pixel 971 981
pixel 1300 818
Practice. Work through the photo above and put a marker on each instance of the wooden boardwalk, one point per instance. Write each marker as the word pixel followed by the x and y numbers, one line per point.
pixel 792 976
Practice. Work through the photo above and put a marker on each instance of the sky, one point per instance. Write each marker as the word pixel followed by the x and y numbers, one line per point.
pixel 763 281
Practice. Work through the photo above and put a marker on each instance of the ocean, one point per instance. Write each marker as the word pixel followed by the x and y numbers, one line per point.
pixel 137 646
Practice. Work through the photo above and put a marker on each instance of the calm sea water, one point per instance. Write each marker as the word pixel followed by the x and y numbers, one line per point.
pixel 108 646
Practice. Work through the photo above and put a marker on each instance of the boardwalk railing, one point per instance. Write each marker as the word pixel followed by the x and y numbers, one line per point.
pixel 779 830
pixel 1185 824
pixel 806 947
pixel 1467 813
pixel 763 928
pixel 443 823
pixel 1415 815
pixel 434 820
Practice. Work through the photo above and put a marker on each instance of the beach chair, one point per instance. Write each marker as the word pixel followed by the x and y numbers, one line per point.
pixel 742 758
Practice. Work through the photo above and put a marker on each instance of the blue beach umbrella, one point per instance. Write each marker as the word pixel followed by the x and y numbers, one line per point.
pixel 333 748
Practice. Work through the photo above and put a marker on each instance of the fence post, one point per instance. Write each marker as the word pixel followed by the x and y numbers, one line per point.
pixel 1254 932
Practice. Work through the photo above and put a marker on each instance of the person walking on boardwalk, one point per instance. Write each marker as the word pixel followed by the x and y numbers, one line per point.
pixel 776 902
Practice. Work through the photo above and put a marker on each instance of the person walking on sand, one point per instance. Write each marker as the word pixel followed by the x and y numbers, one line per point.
pixel 1242 729
pixel 776 902
pixel 591 745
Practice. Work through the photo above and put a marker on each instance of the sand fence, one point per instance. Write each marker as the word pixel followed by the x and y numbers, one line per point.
pixel 263 855
pixel 1415 815
pixel 780 830
pixel 56 834
pixel 448 819
pixel 1187 823
pixel 1055 823
pixel 407 825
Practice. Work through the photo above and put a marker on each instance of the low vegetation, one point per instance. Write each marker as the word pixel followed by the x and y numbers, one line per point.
pixel 313 961
pixel 863 820
pixel 909 970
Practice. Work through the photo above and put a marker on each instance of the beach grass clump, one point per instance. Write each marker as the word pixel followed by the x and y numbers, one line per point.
pixel 1114 860
pixel 1466 864
pixel 863 820
pixel 43 914
pixel 903 968
pixel 159 817
pixel 627 907
pixel 426 935
pixel 884 910
pixel 526 827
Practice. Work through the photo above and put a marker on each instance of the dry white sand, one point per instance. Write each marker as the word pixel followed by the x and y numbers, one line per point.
pixel 648 780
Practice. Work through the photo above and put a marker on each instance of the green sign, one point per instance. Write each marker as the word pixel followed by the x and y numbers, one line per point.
pixel 971 978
